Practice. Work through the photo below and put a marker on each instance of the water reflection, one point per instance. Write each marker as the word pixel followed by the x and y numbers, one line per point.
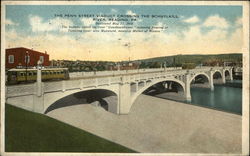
pixel 223 98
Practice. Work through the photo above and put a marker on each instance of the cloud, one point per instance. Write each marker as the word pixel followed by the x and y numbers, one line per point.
pixel 87 21
pixel 110 46
pixel 129 12
pixel 194 33
pixel 10 22
pixel 193 19
pixel 216 21
pixel 56 24
pixel 57 46
pixel 159 24
pixel 11 34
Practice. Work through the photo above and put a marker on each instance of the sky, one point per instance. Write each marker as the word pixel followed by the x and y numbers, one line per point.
pixel 196 30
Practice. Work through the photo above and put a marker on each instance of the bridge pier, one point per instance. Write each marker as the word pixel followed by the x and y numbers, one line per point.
pixel 124 99
pixel 211 82
pixel 136 86
pixel 165 85
pixel 187 87
pixel 223 76
pixel 170 86
pixel 231 74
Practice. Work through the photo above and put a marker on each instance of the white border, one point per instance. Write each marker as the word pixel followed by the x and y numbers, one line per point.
pixel 245 98
pixel 124 2
pixel 245 106
pixel 2 79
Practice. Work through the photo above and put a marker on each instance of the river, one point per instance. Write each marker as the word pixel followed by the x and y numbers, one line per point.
pixel 223 98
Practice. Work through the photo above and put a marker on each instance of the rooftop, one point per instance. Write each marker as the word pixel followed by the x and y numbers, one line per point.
pixel 27 50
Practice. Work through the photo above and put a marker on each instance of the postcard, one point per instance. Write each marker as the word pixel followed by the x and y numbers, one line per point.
pixel 124 78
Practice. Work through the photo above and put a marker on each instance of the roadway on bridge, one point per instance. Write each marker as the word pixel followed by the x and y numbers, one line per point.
pixel 159 125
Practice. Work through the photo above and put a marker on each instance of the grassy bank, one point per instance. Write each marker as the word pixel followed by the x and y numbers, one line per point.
pixel 31 132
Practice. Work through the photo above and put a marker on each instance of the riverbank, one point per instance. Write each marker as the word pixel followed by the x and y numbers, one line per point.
pixel 159 125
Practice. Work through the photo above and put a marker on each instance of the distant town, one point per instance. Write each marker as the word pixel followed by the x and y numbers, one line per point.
pixel 27 58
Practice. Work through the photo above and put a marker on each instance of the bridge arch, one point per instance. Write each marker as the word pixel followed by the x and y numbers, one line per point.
pixel 199 74
pixel 227 73
pixel 217 77
pixel 218 72
pixel 106 98
pixel 153 82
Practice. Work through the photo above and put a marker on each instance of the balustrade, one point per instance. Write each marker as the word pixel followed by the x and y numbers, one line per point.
pixel 140 75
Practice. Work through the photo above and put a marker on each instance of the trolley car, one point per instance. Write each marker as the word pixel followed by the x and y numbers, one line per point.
pixel 15 76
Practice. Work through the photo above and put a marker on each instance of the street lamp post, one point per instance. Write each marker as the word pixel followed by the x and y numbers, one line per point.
pixel 39 78
pixel 26 61
pixel 128 45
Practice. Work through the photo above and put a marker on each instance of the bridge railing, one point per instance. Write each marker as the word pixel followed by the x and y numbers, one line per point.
pixel 117 72
pixel 19 90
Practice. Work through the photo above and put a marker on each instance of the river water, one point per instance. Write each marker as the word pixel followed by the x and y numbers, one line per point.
pixel 223 98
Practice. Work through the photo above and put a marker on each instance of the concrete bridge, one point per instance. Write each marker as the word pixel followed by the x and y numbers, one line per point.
pixel 118 89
